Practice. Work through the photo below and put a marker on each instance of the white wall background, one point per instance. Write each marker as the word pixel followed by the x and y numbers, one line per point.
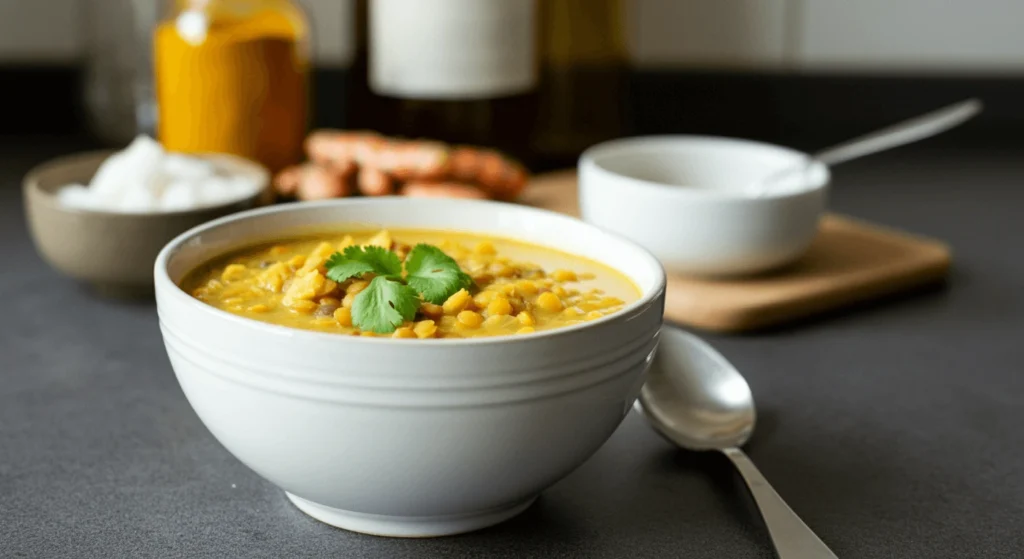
pixel 40 30
pixel 34 31
pixel 878 36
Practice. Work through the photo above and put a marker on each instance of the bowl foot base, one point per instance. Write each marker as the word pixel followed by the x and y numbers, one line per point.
pixel 409 526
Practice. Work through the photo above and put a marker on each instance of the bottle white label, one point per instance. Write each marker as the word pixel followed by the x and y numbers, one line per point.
pixel 452 49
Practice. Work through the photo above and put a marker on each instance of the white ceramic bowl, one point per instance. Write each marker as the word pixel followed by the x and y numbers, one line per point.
pixel 682 197
pixel 408 437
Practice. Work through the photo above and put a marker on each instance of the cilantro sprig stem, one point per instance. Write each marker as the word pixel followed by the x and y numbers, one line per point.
pixel 391 298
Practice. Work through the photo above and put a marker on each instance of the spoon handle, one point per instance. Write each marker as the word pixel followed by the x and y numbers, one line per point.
pixel 791 537
pixel 901 133
pixel 908 131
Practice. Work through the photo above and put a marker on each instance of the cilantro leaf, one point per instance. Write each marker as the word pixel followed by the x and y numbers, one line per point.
pixel 389 299
pixel 340 268
pixel 358 260
pixel 434 274
pixel 384 305
pixel 384 262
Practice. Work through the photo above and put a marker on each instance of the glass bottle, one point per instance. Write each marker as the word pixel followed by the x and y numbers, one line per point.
pixel 461 71
pixel 232 77
pixel 584 69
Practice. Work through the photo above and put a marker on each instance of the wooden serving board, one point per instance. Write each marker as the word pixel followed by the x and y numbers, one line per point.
pixel 849 262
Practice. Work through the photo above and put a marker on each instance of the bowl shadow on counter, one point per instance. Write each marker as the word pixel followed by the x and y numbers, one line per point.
pixel 547 522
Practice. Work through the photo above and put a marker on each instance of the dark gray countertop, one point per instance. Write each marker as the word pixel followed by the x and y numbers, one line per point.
pixel 894 430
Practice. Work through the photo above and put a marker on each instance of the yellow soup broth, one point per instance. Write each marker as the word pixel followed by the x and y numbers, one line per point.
pixel 519 288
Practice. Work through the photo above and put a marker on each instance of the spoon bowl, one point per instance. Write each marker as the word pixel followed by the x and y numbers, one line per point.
pixel 706 411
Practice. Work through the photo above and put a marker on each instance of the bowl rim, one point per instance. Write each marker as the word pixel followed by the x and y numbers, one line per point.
pixel 31 186
pixel 163 282
pixel 589 160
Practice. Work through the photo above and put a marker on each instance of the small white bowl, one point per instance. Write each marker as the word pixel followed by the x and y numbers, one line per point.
pixel 683 198
pixel 408 437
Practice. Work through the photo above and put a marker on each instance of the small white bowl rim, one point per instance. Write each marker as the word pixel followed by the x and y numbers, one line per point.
pixel 163 279
pixel 590 159
pixel 50 199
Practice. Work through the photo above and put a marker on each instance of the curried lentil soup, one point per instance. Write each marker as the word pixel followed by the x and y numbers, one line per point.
pixel 518 288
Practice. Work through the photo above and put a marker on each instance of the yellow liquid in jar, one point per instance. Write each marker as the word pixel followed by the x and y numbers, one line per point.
pixel 241 90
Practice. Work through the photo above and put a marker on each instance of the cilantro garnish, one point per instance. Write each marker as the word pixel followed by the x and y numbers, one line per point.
pixel 384 305
pixel 357 260
pixel 434 274
pixel 390 299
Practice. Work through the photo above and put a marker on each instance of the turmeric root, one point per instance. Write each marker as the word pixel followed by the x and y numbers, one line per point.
pixel 381 165
pixel 287 181
pixel 320 182
pixel 442 190
pixel 373 182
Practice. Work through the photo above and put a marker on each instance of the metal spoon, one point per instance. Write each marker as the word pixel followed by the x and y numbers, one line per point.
pixel 697 400
pixel 902 133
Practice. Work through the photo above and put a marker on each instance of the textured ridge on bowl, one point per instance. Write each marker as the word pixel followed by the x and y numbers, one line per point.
pixel 429 391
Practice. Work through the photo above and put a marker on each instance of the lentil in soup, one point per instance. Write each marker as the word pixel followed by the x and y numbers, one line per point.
pixel 517 288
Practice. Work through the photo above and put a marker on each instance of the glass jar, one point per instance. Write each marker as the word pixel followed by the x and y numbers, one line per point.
pixel 232 77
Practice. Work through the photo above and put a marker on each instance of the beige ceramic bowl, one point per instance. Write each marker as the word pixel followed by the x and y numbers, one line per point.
pixel 114 252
